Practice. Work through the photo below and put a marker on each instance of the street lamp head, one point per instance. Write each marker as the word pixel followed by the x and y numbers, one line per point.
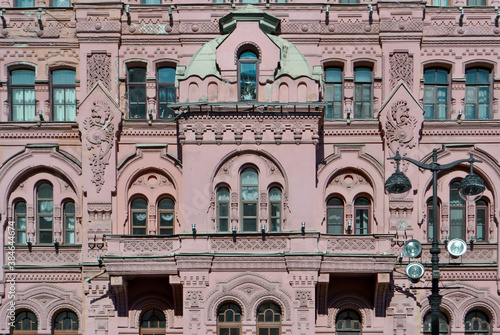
pixel 471 187
pixel 397 183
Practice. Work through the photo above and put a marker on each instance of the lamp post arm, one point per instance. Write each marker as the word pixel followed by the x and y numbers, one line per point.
pixel 434 166
pixel 455 163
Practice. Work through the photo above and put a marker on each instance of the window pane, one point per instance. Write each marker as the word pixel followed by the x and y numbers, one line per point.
pixel 25 3
pixel 249 224
pixel 223 194
pixel 441 76
pixel 23 77
pixel 249 177
pixel 483 76
pixel 166 75
pixel 363 74
pixel 63 77
pixel 60 3
pixel 137 75
pixel 275 194
pixel 333 74
pixel 249 193
pixel 139 203
pixel 166 203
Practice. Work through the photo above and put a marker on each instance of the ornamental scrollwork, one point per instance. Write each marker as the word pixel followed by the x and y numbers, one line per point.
pixel 99 140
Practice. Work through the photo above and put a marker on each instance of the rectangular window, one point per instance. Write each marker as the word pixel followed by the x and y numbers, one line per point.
pixel 63 95
pixel 349 1
pixel 477 93
pixel 436 94
pixel 223 209
pixel 69 223
pixel 20 218
pixel 45 211
pixel 476 2
pixel 137 92
pixel 333 92
pixel 61 3
pixel 247 74
pixel 151 2
pixel 249 199
pixel 166 92
pixel 481 219
pixel 25 3
pixel 22 95
pixel 363 93
pixel 457 213
pixel 441 3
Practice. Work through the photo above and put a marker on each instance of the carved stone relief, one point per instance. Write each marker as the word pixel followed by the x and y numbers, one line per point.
pixel 99 69
pixel 152 181
pixel 99 140
pixel 401 64
pixel 400 134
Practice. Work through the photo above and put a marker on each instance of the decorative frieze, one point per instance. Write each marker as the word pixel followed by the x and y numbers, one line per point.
pixel 246 244
pixel 43 256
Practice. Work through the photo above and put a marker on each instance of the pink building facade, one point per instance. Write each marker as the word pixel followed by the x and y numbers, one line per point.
pixel 178 167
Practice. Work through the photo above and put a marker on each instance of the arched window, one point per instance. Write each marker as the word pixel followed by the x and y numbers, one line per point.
pixel 166 92
pixel 166 211
pixel 247 75
pixel 275 209
pixel 348 323
pixel 45 213
pixel 153 322
pixel 477 323
pixel 481 220
pixel 436 89
pixel 66 323
pixel 229 319
pixel 20 218
pixel 249 199
pixel 139 214
pixel 223 209
pixel 457 213
pixel 362 209
pixel 268 319
pixel 444 327
pixel 430 218
pixel 335 216
pixel 69 222
pixel 22 94
pixel 26 324
pixel 333 92
pixel 477 93
pixel 63 95
pixel 363 83
pixel 137 92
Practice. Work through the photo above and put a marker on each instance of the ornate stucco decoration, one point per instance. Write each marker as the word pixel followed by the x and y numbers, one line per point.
pixel 401 64
pixel 401 126
pixel 99 140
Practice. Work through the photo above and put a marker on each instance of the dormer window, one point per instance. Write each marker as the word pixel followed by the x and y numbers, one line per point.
pixel 247 75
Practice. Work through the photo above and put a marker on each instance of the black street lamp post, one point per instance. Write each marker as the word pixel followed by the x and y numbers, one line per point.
pixel 471 188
